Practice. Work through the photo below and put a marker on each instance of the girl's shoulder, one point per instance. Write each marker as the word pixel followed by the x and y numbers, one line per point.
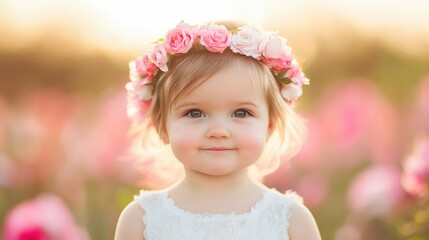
pixel 301 223
pixel 129 224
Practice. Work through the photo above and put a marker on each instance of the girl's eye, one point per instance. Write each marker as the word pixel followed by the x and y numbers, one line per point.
pixel 194 113
pixel 241 113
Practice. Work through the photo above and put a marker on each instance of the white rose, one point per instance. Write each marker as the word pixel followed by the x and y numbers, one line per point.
pixel 134 74
pixel 246 41
pixel 139 90
pixel 146 93
pixel 290 92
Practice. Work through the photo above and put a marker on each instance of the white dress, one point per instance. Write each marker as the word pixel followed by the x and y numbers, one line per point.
pixel 268 219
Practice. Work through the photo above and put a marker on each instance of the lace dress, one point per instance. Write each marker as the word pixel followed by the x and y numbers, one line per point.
pixel 268 219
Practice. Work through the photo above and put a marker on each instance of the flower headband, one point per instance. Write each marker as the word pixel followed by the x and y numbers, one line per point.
pixel 268 48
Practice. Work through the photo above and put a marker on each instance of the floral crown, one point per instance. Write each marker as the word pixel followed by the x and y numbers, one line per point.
pixel 269 48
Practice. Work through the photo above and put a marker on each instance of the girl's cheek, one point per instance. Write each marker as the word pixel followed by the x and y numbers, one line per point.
pixel 253 139
pixel 181 136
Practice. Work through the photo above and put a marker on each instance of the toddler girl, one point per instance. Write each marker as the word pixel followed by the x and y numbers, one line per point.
pixel 220 97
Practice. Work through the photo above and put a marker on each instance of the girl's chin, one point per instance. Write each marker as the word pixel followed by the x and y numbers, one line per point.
pixel 219 170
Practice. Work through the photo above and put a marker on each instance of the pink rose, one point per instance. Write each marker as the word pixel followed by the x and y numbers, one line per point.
pixel 282 62
pixel 140 67
pixel 246 41
pixel 290 92
pixel 271 46
pixel 292 73
pixel 159 57
pixel 179 39
pixel 296 76
pixel 215 38
pixel 45 217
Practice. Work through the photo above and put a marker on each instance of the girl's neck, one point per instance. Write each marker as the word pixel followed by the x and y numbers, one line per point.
pixel 201 193
pixel 195 182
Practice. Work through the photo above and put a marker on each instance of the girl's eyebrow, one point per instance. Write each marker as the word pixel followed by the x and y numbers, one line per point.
pixel 245 103
pixel 186 104
pixel 236 103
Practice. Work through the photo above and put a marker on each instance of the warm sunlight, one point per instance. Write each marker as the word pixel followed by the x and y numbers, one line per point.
pixel 131 24
pixel 134 21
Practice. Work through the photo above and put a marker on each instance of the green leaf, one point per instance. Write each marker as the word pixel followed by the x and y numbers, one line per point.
pixel 160 40
pixel 143 75
pixel 282 73
pixel 284 80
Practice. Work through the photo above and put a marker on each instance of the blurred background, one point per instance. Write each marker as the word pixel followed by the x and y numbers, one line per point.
pixel 363 172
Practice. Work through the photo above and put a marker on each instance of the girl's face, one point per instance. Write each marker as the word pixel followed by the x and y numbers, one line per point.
pixel 221 127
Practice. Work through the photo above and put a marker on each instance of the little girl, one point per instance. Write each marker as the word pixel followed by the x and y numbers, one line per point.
pixel 219 96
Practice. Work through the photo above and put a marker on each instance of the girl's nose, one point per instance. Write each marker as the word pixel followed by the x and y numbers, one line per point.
pixel 217 130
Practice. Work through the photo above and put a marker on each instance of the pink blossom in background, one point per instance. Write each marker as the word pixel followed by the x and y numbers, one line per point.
pixel 283 179
pixel 313 188
pixel 355 123
pixel 39 125
pixel 382 140
pixel 51 109
pixel 413 185
pixel 310 156
pixel 375 191
pixel 36 134
pixel 43 218
pixel 415 177
pixel 343 118
pixel 422 107
pixel 107 137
